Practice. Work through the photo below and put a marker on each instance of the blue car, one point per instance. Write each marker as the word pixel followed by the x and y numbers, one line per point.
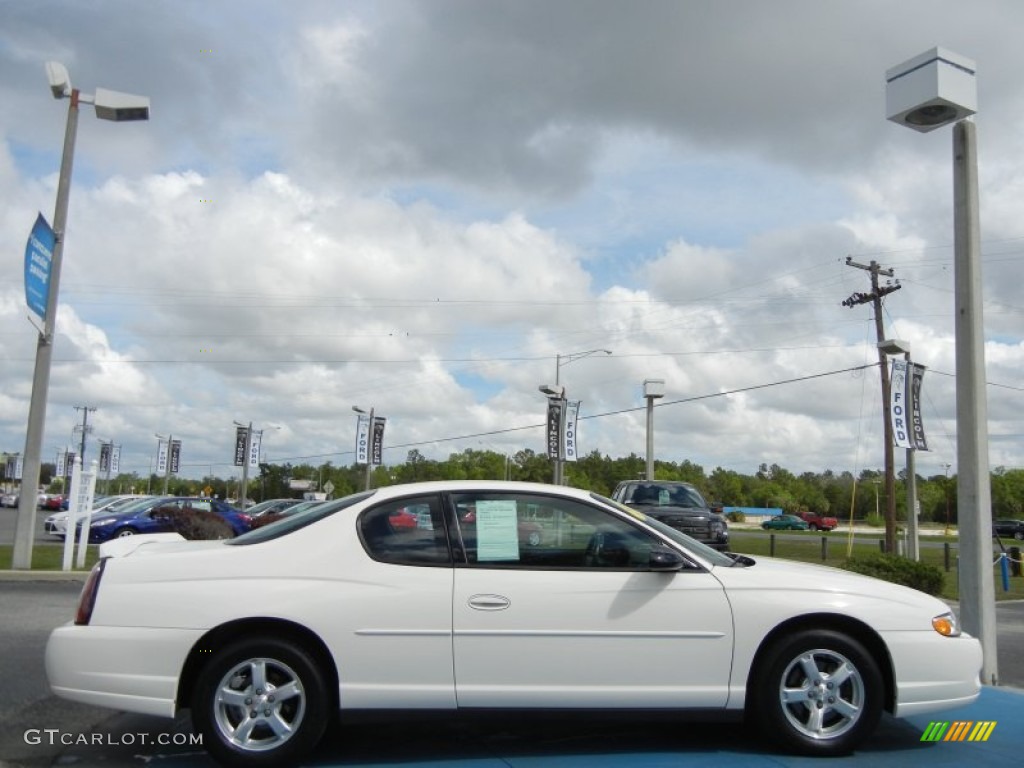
pixel 143 517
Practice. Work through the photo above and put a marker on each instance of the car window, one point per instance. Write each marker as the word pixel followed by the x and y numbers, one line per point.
pixel 407 531
pixel 299 520
pixel 537 531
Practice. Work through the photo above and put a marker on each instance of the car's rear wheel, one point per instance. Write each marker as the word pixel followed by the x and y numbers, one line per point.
pixel 122 533
pixel 818 692
pixel 260 702
pixel 1019 535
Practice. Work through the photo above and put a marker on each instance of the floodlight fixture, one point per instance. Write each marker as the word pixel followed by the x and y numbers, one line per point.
pixel 60 80
pixel 552 390
pixel 931 90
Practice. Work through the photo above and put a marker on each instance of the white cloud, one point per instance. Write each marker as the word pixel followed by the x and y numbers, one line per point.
pixel 417 206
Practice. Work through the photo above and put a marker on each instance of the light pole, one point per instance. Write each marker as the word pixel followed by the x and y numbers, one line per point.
pixel 898 347
pixel 924 93
pixel 169 462
pixel 547 389
pixel 109 105
pixel 653 389
pixel 369 441
pixel 555 418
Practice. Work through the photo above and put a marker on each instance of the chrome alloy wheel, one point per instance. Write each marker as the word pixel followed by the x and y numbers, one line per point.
pixel 259 704
pixel 822 694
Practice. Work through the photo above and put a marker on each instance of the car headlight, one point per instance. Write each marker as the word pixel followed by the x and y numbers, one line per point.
pixel 104 521
pixel 946 625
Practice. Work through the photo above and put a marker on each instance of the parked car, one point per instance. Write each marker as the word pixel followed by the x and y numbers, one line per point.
pixel 270 506
pixel 818 522
pixel 57 523
pixel 678 505
pixel 785 523
pixel 262 636
pixel 1009 529
pixel 9 500
pixel 54 501
pixel 146 517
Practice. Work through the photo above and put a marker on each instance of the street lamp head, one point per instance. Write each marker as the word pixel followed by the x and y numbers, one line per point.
pixel 931 90
pixel 654 388
pixel 60 80
pixel 894 347
pixel 120 107
pixel 552 390
pixel 357 409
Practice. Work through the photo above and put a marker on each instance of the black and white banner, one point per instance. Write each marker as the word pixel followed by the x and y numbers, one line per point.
pixel 362 438
pixel 905 405
pixel 65 464
pixel 105 450
pixel 115 459
pixel 175 456
pixel 554 429
pixel 377 445
pixel 255 443
pixel 161 458
pixel 572 413
pixel 240 434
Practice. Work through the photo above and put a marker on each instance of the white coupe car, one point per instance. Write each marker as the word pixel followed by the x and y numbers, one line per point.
pixel 264 635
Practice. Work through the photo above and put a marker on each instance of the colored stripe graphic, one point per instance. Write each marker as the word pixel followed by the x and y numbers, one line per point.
pixel 959 730
pixel 935 731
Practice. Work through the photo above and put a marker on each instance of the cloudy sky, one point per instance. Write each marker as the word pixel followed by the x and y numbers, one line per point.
pixel 417 206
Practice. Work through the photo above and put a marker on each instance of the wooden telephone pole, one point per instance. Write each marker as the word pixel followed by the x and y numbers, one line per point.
pixel 875 298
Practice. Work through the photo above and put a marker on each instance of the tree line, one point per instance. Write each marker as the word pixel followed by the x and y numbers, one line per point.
pixel 839 494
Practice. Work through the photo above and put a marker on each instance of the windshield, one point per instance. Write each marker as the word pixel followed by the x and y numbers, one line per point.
pixel 318 511
pixel 691 545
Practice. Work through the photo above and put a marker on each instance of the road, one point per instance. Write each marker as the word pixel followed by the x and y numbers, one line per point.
pixel 31 609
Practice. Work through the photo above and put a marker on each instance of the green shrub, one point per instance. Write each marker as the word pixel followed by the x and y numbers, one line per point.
pixel 195 524
pixel 898 570
pixel 875 521
pixel 736 517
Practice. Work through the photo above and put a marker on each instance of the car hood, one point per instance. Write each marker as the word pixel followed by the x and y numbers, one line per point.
pixel 668 509
pixel 809 584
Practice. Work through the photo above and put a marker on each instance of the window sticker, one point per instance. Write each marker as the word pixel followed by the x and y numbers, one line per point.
pixel 497 531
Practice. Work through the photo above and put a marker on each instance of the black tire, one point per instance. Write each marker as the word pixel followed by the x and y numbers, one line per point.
pixel 814 526
pixel 237 713
pixel 1019 535
pixel 123 533
pixel 817 693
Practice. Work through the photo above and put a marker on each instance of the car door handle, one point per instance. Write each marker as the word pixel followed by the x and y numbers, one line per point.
pixel 489 602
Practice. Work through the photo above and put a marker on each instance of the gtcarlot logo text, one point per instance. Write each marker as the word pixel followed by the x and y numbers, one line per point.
pixel 56 737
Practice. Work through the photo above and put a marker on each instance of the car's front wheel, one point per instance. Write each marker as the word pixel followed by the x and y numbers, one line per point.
pixel 818 692
pixel 1019 535
pixel 260 702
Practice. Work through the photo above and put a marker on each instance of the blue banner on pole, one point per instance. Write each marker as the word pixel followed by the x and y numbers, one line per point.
pixel 38 258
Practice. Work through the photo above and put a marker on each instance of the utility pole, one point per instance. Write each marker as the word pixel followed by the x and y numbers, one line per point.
pixel 86 429
pixel 875 298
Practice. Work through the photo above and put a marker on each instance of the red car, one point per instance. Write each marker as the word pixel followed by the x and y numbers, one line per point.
pixel 403 520
pixel 55 502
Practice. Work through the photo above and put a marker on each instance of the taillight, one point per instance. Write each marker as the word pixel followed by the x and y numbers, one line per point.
pixel 87 599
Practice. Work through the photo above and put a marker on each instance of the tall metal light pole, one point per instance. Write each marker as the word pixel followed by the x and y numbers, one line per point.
pixel 924 93
pixel 897 347
pixel 369 443
pixel 562 360
pixel 653 389
pixel 110 105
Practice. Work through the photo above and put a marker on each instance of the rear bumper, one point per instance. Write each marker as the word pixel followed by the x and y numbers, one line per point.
pixel 127 668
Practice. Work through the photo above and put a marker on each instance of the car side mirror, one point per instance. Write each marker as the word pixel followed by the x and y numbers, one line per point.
pixel 665 559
